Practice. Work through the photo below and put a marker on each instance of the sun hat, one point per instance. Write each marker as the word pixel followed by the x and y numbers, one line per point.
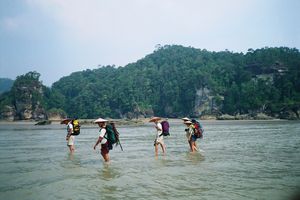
pixel 65 120
pixel 99 120
pixel 153 119
pixel 186 119
pixel 188 122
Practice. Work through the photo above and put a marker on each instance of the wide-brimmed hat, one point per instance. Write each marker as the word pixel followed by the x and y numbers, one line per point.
pixel 66 120
pixel 186 119
pixel 188 122
pixel 99 120
pixel 154 119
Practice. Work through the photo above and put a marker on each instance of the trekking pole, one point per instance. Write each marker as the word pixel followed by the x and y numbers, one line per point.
pixel 117 133
pixel 120 144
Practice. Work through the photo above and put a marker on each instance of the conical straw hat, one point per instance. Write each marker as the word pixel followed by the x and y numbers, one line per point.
pixel 186 119
pixel 99 120
pixel 153 119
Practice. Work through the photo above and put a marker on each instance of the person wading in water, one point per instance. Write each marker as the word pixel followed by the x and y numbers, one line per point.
pixel 159 139
pixel 102 139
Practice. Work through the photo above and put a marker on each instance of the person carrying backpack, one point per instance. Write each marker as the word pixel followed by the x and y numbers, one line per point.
pixel 109 136
pixel 102 139
pixel 159 139
pixel 70 138
pixel 190 134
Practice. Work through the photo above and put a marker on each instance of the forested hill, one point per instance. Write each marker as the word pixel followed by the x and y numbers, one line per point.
pixel 177 81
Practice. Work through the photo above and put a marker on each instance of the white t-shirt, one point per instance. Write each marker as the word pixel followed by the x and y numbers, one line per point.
pixel 102 134
pixel 70 126
pixel 159 132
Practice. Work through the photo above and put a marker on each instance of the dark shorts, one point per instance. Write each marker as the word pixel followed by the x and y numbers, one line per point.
pixel 194 138
pixel 104 148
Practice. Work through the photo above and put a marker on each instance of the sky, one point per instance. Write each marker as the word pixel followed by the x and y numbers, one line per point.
pixel 58 37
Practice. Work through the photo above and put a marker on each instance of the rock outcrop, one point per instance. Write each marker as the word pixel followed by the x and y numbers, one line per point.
pixel 8 113
pixel 27 96
pixel 206 103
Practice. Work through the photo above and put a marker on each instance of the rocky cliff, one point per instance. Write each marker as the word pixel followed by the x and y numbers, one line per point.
pixel 25 101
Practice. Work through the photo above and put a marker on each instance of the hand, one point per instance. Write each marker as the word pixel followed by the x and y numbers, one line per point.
pixel 95 147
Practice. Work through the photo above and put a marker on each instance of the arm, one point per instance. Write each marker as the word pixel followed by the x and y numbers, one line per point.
pixel 98 141
pixel 102 134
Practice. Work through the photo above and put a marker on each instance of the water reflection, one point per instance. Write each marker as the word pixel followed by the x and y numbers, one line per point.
pixel 108 172
pixel 163 161
pixel 75 159
pixel 195 157
pixel 72 160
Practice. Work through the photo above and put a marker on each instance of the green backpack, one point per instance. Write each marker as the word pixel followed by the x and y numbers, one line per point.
pixel 111 135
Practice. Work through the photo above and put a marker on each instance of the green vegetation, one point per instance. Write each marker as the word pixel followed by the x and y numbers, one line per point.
pixel 165 82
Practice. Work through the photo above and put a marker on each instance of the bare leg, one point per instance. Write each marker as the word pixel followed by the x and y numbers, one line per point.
pixel 163 147
pixel 71 148
pixel 156 149
pixel 105 156
pixel 194 147
pixel 71 143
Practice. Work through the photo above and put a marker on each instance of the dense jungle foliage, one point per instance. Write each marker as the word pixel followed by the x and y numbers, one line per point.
pixel 165 82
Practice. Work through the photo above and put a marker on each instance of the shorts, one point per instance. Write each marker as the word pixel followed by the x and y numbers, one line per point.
pixel 104 148
pixel 71 140
pixel 159 140
pixel 193 138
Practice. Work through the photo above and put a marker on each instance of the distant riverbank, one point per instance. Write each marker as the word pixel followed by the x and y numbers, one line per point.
pixel 132 122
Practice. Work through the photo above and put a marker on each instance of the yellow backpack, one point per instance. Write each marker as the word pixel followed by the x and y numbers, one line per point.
pixel 76 127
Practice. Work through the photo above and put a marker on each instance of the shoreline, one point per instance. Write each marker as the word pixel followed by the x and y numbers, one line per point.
pixel 132 122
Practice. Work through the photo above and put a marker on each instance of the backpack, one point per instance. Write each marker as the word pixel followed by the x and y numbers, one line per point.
pixel 76 127
pixel 112 135
pixel 165 128
pixel 198 130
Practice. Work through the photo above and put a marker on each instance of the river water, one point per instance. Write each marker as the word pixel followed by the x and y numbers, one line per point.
pixel 237 160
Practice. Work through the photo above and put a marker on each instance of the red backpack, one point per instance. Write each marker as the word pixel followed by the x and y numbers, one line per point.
pixel 198 131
